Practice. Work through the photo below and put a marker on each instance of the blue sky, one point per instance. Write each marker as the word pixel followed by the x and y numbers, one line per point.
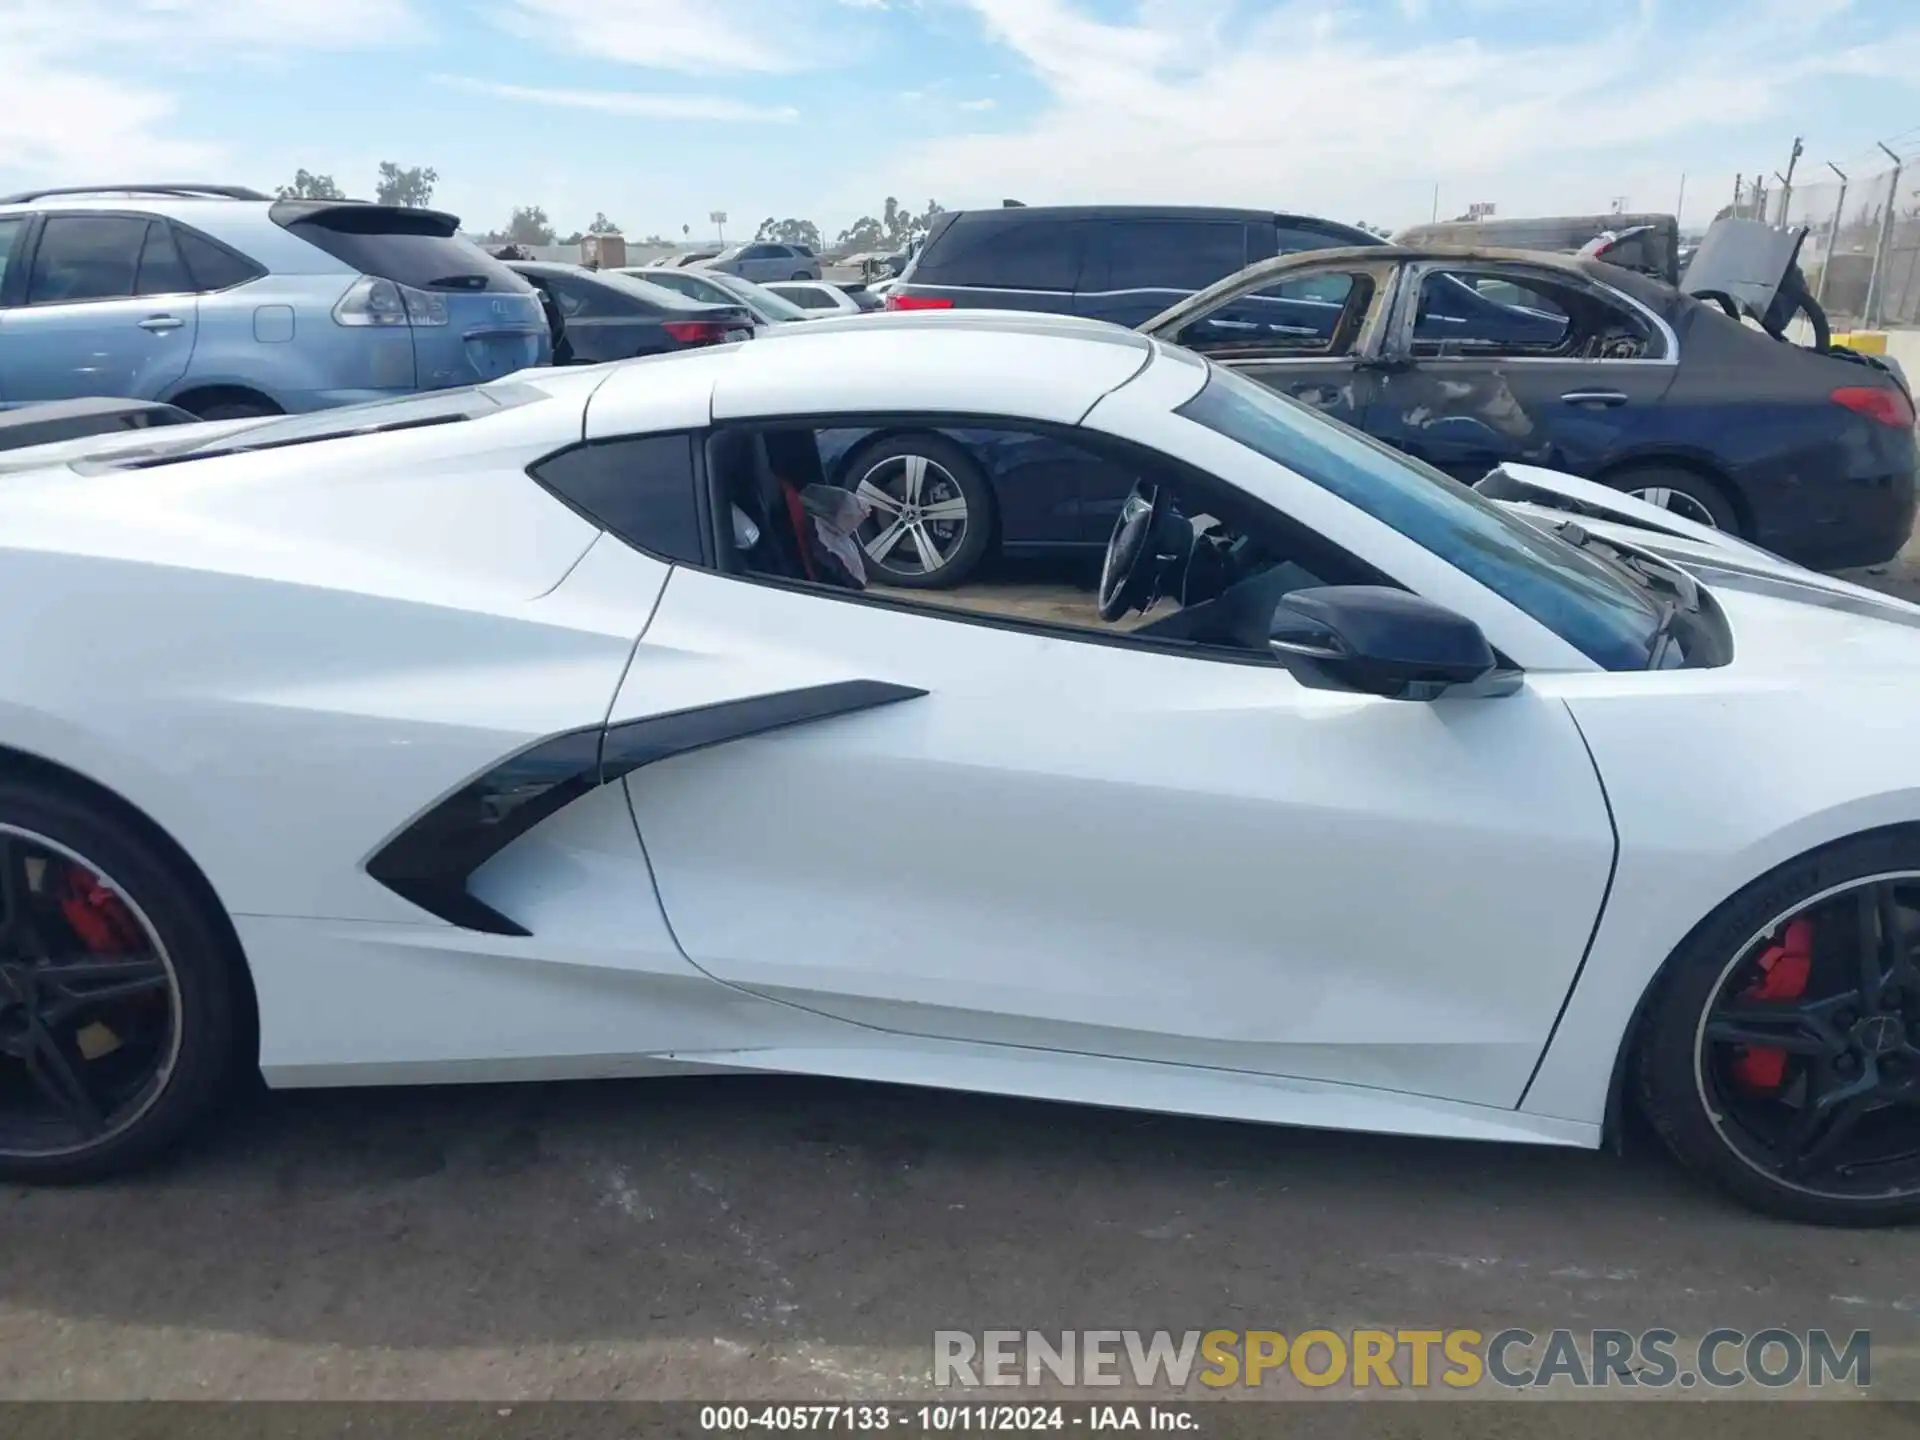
pixel 659 111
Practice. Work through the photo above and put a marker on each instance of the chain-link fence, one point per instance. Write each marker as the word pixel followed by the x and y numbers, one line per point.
pixel 1862 252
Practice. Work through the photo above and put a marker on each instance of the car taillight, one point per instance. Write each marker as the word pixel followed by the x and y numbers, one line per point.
pixel 373 301
pixel 896 301
pixel 1876 402
pixel 696 332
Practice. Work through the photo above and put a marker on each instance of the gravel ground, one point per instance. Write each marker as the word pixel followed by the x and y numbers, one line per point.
pixel 794 1239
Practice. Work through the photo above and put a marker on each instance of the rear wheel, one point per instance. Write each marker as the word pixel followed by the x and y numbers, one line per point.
pixel 232 408
pixel 1782 1059
pixel 799 275
pixel 1685 492
pixel 930 511
pixel 117 991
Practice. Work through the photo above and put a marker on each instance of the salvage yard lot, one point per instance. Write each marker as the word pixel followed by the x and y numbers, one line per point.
pixel 799 1239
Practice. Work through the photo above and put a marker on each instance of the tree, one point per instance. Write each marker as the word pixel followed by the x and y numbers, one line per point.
pixel 412 187
pixel 895 229
pixel 602 225
pixel 529 226
pixel 308 186
pixel 789 232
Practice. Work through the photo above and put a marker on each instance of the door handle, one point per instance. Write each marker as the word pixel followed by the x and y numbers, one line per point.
pixel 157 323
pixel 1594 397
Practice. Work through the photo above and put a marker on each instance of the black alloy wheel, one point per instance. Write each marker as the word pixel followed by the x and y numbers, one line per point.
pixel 1787 1067
pixel 116 1007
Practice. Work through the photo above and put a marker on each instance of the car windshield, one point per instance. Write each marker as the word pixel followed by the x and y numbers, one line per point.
pixel 1580 599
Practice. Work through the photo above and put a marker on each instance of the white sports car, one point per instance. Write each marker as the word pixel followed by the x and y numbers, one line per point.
pixel 545 729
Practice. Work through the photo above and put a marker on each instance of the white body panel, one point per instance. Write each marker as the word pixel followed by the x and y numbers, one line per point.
pixel 1070 868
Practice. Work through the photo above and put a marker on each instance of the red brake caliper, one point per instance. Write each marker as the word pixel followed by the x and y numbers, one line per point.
pixel 1784 969
pixel 99 920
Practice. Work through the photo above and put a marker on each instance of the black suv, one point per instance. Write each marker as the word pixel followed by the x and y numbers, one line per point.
pixel 1124 263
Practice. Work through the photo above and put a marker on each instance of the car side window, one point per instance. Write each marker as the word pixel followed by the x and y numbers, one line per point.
pixel 1493 313
pixel 1172 254
pixel 643 489
pixel 998 255
pixel 580 300
pixel 10 232
pixel 212 266
pixel 1317 315
pixel 86 257
pixel 161 272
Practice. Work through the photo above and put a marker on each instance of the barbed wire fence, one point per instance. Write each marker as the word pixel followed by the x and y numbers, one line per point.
pixel 1862 215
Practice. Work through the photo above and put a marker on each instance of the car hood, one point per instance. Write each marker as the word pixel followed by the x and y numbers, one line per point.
pixel 1785 619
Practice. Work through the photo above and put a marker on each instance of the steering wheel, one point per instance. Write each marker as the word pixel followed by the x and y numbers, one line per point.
pixel 1128 573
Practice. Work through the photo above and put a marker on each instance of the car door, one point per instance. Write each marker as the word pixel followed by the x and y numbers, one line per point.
pixel 995 835
pixel 1313 330
pixel 105 308
pixel 1495 361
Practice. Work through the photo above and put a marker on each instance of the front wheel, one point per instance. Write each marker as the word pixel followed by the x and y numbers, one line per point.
pixel 1781 1059
pixel 929 511
pixel 117 991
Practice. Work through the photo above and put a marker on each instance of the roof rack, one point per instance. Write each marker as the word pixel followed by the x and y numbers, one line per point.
pixel 185 191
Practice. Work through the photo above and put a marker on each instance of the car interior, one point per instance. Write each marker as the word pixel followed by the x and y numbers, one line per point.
pixel 1493 313
pixel 1190 562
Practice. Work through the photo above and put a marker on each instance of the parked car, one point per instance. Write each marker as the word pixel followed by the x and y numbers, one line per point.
pixel 227 303
pixel 719 288
pixel 820 298
pixel 611 315
pixel 1411 811
pixel 1464 361
pixel 688 257
pixel 1123 263
pixel 56 421
pixel 765 260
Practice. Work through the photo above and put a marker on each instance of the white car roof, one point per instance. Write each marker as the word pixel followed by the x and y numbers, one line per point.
pixel 1016 364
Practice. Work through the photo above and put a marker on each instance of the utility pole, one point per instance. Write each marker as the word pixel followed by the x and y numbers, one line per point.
pixel 1786 180
pixel 1876 296
pixel 1737 187
pixel 1833 235
pixel 1680 205
pixel 1436 202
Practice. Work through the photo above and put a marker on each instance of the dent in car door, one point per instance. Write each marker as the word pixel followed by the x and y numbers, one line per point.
pixel 1108 850
pixel 1501 363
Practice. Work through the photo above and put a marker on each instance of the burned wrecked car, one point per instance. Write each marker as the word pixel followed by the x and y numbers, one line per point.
pixel 1729 405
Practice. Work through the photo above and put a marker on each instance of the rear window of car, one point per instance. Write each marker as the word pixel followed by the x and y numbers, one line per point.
pixel 995 253
pixel 408 249
pixel 1172 254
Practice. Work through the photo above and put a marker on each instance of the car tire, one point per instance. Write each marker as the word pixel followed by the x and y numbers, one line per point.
pixel 882 473
pixel 800 275
pixel 1728 1110
pixel 135 1070
pixel 1685 492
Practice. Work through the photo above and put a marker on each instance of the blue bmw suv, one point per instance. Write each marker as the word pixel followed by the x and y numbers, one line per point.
pixel 228 303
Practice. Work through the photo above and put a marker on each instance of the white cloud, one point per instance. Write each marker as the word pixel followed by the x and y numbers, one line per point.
pixel 627 102
pixel 65 114
pixel 1315 106
pixel 984 103
pixel 694 36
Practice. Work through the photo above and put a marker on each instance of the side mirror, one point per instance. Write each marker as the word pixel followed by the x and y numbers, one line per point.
pixel 1387 642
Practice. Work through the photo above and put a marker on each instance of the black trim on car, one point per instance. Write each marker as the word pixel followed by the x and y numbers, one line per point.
pixel 431 860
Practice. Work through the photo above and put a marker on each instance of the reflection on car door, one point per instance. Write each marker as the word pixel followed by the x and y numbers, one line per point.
pixel 106 308
pixel 1499 361
pixel 1023 840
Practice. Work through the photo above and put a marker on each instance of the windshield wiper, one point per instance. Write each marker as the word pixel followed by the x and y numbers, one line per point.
pixel 1662 638
pixel 458 282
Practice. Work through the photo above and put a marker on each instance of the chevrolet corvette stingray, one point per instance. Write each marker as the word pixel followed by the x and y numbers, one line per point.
pixel 551 728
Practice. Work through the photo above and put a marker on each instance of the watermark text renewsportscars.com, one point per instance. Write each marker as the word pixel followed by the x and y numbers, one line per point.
pixel 1361 1359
